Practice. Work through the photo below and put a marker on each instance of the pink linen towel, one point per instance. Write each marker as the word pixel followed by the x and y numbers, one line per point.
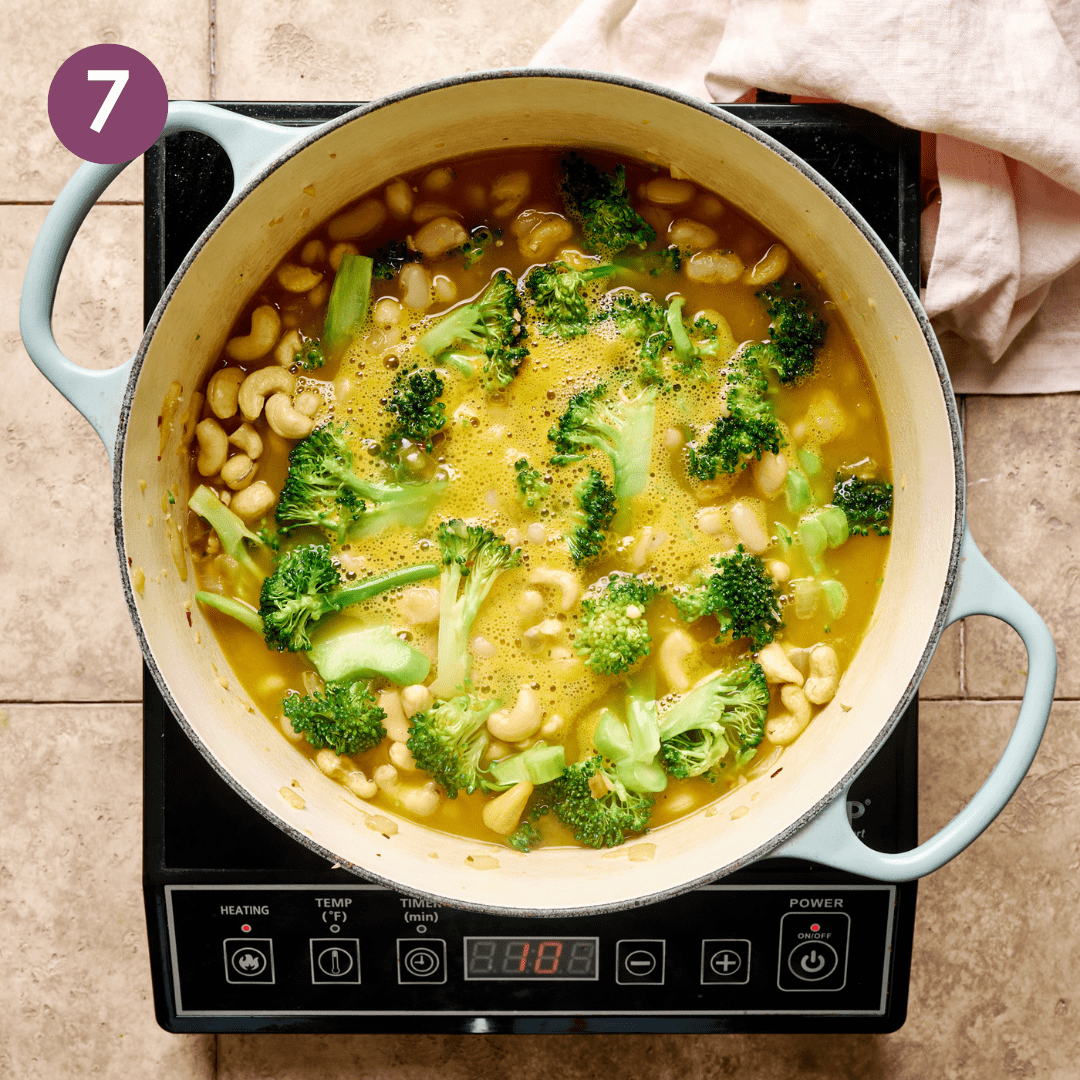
pixel 998 83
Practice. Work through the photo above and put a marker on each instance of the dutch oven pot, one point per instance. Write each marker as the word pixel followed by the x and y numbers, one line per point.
pixel 287 181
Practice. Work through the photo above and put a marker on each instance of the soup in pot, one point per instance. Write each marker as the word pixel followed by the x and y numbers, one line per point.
pixel 540 497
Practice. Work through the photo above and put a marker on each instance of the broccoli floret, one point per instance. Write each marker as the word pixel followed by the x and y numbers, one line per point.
pixel 343 717
pixel 742 596
pixel 614 635
pixel 489 332
pixel 481 240
pixel 306 585
pixel 621 427
pixel 558 291
pixel 472 560
pixel 532 487
pixel 634 747
pixel 413 402
pixel 725 714
pixel 321 490
pixel 597 806
pixel 667 260
pixel 867 503
pixel 598 202
pixel 526 837
pixel 796 333
pixel 640 318
pixel 596 509
pixel 231 530
pixel 448 741
pixel 747 431
pixel 310 355
pixel 390 258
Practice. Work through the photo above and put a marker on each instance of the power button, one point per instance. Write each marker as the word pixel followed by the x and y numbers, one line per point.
pixel 813 950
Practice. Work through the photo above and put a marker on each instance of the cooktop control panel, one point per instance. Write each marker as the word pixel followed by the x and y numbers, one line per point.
pixel 294 950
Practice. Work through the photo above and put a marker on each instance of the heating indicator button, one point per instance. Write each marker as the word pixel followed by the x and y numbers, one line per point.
pixel 249 960
pixel 813 951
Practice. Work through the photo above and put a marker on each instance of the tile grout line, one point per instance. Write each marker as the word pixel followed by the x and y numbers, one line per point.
pixel 49 202
pixel 212 39
pixel 963 622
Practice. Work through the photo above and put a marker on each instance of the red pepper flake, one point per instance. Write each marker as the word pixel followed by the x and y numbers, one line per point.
pixel 160 421
pixel 189 622
pixel 129 560
pixel 771 775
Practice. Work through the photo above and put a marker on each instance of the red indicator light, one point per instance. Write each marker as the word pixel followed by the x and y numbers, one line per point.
pixel 247 928
pixel 813 926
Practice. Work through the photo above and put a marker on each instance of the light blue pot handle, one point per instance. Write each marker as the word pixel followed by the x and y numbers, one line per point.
pixel 98 395
pixel 829 839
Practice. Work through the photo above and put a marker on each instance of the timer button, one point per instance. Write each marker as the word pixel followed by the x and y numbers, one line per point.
pixel 421 960
pixel 639 961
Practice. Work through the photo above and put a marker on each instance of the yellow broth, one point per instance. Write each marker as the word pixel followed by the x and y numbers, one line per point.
pixel 485 434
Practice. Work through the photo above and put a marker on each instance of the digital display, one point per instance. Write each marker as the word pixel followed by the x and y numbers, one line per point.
pixel 504 959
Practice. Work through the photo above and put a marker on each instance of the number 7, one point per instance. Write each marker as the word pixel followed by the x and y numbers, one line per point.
pixel 119 81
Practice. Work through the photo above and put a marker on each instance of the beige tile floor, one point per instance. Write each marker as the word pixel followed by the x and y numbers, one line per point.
pixel 995 984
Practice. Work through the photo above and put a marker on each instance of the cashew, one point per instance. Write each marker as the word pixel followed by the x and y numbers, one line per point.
pixel 776 665
pixel 297 279
pixel 508 191
pixel 642 552
pixel 287 348
pixel 534 636
pixel 541 242
pixel 530 604
pixel 359 784
pixel 714 267
pixel 397 727
pixel 421 801
pixel 674 649
pixel 248 440
pixel 338 252
pixel 402 757
pixel 254 501
pixel 787 727
pixel 415 284
pixel 258 385
pixel 438 236
pixel 502 814
pixel 568 585
pixel 285 421
pixel 314 251
pixel 399 197
pixel 439 179
pixel 238 471
pixel 521 721
pixel 222 391
pixel 483 647
pixel 770 473
pixel 416 698
pixel 419 606
pixel 772 265
pixel 307 402
pixel 667 192
pixel 213 447
pixel 317 297
pixel 265 327
pixel 824 675
pixel 359 221
pixel 748 526
pixel 690 235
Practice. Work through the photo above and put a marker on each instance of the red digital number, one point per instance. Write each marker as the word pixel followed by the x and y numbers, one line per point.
pixel 541 958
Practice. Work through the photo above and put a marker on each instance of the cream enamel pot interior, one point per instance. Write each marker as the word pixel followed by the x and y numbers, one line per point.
pixel 287 181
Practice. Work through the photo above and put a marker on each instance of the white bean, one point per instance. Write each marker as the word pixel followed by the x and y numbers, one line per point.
pixel 416 698
pixel 676 647
pixel 714 267
pixel 416 287
pixel 399 198
pixel 508 191
pixel 438 236
pixel 770 473
pixel 749 526
pixel 667 192
pixel 690 235
pixel 772 265
pixel 419 606
pixel 397 727
pixel 359 221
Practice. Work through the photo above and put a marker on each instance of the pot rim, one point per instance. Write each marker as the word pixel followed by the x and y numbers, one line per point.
pixel 719 113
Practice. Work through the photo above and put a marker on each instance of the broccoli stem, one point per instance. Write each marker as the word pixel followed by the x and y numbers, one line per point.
pixel 234 608
pixel 348 304
pixel 345 651
pixel 380 583
pixel 231 531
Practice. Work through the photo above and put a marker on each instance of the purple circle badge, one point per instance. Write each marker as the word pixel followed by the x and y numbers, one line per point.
pixel 108 104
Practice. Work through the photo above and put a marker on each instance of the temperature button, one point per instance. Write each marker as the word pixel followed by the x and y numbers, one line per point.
pixel 639 961
pixel 249 960
pixel 421 960
pixel 335 960
pixel 813 951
